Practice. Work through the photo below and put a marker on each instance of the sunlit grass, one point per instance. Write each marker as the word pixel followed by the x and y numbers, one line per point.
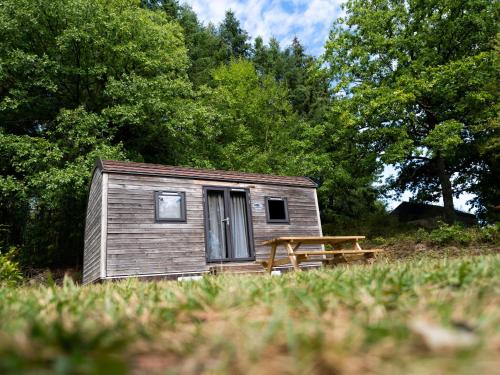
pixel 352 319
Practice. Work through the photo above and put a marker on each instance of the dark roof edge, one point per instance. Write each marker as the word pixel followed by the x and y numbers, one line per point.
pixel 314 182
pixel 99 164
pixel 214 179
pixel 431 205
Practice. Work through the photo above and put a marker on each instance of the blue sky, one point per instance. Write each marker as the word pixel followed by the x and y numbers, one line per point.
pixel 309 20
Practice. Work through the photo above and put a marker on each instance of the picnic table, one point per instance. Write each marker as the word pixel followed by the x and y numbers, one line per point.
pixel 329 257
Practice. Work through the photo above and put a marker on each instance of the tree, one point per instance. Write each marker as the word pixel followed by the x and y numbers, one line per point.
pixel 251 126
pixel 202 42
pixel 203 45
pixel 234 40
pixel 81 79
pixel 249 122
pixel 172 8
pixel 415 74
pixel 330 152
pixel 486 184
pixel 306 82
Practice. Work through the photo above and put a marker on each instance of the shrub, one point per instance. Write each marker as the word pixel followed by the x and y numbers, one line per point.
pixel 421 235
pixel 490 233
pixel 457 234
pixel 444 235
pixel 447 234
pixel 10 273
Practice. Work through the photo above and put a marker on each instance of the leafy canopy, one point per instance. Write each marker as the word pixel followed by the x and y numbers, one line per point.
pixel 417 76
pixel 81 79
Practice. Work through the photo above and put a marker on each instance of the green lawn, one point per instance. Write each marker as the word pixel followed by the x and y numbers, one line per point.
pixel 381 318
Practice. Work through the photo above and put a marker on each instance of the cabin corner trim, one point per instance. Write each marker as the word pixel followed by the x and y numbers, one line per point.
pixel 317 212
pixel 318 216
pixel 104 223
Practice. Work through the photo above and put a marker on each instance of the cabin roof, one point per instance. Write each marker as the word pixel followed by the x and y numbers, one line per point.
pixel 115 166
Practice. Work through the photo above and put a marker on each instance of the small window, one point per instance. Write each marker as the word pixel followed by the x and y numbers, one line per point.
pixel 276 210
pixel 170 206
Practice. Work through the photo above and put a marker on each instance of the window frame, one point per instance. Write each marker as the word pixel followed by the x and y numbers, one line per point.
pixel 286 220
pixel 158 219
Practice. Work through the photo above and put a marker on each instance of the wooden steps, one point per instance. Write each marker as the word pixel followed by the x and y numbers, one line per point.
pixel 236 268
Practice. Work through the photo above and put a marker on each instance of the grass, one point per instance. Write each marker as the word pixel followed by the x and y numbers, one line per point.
pixel 351 319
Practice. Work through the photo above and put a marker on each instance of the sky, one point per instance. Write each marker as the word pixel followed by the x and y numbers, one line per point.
pixel 309 20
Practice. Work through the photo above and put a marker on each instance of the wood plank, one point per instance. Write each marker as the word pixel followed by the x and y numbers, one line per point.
pixel 293 257
pixel 92 235
pixel 326 252
pixel 236 268
pixel 276 262
pixel 314 239
pixel 271 258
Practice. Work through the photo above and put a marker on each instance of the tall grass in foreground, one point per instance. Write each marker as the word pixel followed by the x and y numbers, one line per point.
pixel 356 319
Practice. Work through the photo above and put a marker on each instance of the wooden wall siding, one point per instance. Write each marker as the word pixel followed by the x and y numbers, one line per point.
pixel 92 247
pixel 136 245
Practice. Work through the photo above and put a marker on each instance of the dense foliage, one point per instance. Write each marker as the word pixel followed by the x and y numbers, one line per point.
pixel 421 79
pixel 146 81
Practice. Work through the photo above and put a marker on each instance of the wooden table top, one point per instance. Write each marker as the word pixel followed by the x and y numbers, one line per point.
pixel 313 240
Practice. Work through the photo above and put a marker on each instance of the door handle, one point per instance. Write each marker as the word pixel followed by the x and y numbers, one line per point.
pixel 226 220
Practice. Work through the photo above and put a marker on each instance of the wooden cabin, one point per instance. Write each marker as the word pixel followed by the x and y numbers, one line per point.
pixel 148 220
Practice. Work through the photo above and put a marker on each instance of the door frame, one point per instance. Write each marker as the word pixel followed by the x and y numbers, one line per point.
pixel 251 241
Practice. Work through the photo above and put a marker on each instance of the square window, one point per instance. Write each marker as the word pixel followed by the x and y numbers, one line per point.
pixel 277 210
pixel 170 206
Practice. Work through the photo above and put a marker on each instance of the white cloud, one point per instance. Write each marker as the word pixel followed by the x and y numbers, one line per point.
pixel 310 20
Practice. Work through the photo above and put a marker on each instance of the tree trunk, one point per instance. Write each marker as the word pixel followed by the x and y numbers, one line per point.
pixel 446 190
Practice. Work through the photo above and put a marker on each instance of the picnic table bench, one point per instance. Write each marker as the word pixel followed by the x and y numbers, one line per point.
pixel 329 257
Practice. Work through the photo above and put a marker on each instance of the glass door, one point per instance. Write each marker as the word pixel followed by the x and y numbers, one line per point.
pixel 240 237
pixel 228 224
